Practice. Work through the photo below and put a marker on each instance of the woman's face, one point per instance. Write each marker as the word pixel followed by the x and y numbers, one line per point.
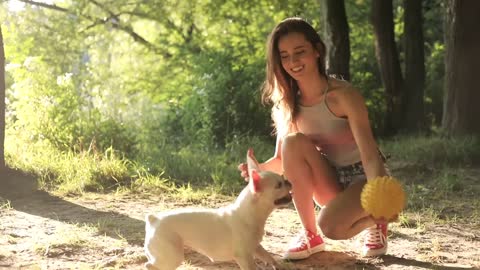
pixel 297 55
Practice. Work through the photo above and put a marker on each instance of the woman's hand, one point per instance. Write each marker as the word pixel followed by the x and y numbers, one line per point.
pixel 251 162
pixel 243 168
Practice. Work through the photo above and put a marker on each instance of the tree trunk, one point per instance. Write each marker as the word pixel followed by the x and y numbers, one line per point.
pixel 389 64
pixel 414 67
pixel 337 38
pixel 2 103
pixel 462 63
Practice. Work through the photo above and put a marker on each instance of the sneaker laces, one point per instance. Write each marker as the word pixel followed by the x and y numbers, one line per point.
pixel 303 239
pixel 374 237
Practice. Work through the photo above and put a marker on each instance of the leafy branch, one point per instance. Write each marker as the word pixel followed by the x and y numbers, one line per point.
pixel 112 20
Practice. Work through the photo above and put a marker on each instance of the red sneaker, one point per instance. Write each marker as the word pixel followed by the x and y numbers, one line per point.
pixel 304 245
pixel 375 241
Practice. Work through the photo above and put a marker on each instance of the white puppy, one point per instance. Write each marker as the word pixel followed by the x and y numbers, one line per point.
pixel 229 233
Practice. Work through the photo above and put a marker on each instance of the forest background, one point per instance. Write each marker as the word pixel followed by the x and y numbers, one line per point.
pixel 111 109
pixel 146 95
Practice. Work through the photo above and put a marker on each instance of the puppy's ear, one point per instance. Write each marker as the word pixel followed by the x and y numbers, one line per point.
pixel 252 161
pixel 254 182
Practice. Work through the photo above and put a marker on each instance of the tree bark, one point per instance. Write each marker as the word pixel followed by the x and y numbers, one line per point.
pixel 2 103
pixel 389 64
pixel 462 63
pixel 337 38
pixel 414 67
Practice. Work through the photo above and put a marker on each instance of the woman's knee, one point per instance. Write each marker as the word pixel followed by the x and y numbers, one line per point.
pixel 294 142
pixel 330 229
pixel 293 149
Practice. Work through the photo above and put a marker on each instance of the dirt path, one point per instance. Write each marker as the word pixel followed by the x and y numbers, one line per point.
pixel 41 231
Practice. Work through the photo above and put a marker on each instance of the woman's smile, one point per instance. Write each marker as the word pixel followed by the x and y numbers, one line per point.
pixel 297 55
pixel 298 68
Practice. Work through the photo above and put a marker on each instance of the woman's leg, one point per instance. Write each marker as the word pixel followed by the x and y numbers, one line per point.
pixel 311 177
pixel 343 217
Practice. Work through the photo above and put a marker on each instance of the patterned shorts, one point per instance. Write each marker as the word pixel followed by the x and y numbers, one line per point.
pixel 355 172
pixel 349 174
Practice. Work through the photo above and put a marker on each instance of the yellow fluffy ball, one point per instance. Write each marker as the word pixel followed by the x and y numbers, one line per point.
pixel 383 197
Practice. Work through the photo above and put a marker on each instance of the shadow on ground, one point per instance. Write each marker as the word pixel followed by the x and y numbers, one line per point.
pixel 389 260
pixel 22 192
pixel 330 260
pixel 344 260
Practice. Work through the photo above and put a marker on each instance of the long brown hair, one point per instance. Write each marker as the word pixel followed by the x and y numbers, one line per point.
pixel 279 87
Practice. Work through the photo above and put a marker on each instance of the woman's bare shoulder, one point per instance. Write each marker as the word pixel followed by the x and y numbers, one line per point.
pixel 342 87
pixel 338 84
pixel 342 91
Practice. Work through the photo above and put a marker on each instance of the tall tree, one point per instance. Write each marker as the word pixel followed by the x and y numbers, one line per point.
pixel 2 103
pixel 414 67
pixel 462 60
pixel 389 64
pixel 338 42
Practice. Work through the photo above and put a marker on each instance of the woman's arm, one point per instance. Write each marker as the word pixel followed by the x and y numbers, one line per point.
pixel 353 106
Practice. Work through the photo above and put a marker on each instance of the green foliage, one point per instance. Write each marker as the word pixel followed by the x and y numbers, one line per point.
pixel 146 94
pixel 77 172
pixel 225 102
pixel 43 106
pixel 365 73
pixel 201 166
pixel 48 107
pixel 42 33
pixel 435 72
pixel 434 59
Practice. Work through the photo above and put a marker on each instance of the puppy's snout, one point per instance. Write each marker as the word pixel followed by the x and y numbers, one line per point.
pixel 287 183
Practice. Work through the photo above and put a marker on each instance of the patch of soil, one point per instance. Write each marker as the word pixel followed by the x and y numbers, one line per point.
pixel 39 230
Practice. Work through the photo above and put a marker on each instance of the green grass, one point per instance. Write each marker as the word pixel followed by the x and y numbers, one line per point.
pixel 69 172
pixel 439 174
pixel 167 170
pixel 434 150
pixel 5 204
pixel 204 167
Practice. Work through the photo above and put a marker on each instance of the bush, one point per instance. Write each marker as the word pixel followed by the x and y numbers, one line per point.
pixel 225 102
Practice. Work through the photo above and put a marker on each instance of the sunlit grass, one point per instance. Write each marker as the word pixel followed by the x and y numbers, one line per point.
pixel 5 204
pixel 434 150
pixel 70 172
pixel 168 169
pixel 107 225
pixel 438 174
pixel 149 183
pixel 203 166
